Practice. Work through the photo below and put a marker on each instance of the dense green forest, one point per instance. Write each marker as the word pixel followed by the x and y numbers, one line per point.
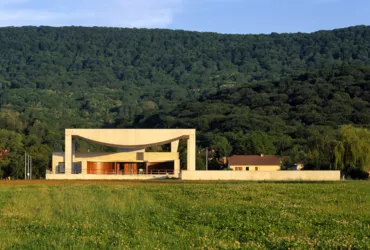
pixel 286 94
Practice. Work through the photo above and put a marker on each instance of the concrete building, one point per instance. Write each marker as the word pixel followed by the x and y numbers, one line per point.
pixel 254 162
pixel 131 162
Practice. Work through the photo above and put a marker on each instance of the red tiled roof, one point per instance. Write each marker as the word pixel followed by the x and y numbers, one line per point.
pixel 255 160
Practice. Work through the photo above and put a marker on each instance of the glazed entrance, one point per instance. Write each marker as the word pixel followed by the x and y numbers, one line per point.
pixel 130 168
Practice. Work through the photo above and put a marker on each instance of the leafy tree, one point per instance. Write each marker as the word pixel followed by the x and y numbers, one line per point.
pixel 221 145
pixel 200 162
pixel 12 164
pixel 353 148
pixel 260 143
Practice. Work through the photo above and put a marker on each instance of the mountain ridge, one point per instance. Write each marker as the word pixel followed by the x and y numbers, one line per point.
pixel 192 31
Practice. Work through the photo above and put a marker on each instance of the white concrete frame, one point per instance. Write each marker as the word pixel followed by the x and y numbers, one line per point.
pixel 132 138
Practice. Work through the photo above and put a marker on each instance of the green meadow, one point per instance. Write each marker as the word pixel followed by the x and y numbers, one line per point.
pixel 180 215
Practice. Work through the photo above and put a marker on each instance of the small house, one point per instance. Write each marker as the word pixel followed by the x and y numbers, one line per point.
pixel 254 162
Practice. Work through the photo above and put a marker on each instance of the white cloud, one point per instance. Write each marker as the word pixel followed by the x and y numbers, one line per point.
pixel 119 13
pixel 7 2
pixel 326 1
pixel 27 16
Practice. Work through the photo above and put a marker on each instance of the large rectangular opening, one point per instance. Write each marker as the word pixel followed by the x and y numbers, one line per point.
pixel 160 167
pixel 76 168
pixel 130 168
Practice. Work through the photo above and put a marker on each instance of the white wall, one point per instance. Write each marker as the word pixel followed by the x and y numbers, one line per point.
pixel 262 175
pixel 104 177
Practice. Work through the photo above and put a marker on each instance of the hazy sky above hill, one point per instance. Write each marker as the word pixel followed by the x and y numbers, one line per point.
pixel 225 16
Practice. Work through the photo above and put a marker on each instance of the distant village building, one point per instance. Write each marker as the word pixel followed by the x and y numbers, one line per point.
pixel 3 153
pixel 298 166
pixel 254 162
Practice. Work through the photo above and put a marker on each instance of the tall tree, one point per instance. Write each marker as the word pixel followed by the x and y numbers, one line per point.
pixel 12 164
pixel 222 146
pixel 353 149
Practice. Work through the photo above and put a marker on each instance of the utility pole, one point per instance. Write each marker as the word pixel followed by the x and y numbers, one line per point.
pixel 27 166
pixel 31 168
pixel 206 158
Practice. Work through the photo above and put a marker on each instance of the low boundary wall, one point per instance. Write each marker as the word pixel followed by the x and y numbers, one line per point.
pixel 105 177
pixel 214 175
pixel 262 175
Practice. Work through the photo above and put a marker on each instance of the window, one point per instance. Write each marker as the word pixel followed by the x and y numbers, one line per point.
pixel 246 168
pixel 238 169
pixel 60 168
pixel 256 168
pixel 77 167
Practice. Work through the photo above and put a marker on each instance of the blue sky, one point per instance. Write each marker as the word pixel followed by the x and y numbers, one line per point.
pixel 225 16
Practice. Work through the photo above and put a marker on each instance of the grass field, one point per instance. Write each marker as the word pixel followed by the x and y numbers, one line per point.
pixel 177 215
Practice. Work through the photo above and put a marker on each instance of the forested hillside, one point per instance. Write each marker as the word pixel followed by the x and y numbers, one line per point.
pixel 297 116
pixel 282 94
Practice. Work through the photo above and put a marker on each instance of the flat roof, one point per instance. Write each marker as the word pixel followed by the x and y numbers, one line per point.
pixel 131 138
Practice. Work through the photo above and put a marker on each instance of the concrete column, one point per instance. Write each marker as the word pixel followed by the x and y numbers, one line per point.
pixel 68 160
pixel 191 153
pixel 73 153
pixel 175 146
pixel 176 170
pixel 84 167
pixel 53 164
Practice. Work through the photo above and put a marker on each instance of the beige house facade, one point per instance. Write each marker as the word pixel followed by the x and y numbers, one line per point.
pixel 254 163
pixel 133 162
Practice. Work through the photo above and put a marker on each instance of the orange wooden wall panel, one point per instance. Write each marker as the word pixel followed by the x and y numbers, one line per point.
pixel 100 167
